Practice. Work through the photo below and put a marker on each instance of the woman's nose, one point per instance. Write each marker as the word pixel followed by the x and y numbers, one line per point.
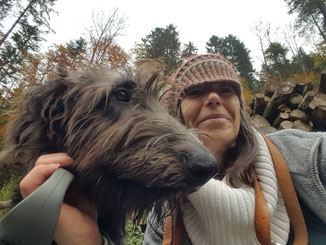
pixel 212 98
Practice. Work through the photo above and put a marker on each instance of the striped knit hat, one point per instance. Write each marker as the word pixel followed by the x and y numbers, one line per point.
pixel 204 68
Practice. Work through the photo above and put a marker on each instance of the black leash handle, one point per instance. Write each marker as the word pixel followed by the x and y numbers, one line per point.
pixel 34 219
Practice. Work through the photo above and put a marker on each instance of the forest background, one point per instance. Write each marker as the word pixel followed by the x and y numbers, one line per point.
pixel 25 25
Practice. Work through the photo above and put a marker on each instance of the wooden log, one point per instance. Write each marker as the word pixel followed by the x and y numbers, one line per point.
pixel 321 98
pixel 267 130
pixel 294 100
pixel 280 96
pixel 318 100
pixel 299 124
pixel 318 117
pixel 292 84
pixel 308 87
pixel 259 121
pixel 311 107
pixel 322 82
pixel 286 125
pixel 284 108
pixel 298 115
pixel 306 100
pixel 270 89
pixel 280 118
pixel 299 88
pixel 259 105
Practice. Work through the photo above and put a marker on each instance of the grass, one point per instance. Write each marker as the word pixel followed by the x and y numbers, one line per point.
pixel 6 192
pixel 134 235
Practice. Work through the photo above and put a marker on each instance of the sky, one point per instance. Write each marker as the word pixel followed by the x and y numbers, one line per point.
pixel 196 21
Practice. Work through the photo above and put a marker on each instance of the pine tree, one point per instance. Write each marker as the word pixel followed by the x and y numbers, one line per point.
pixel 23 36
pixel 164 44
pixel 311 15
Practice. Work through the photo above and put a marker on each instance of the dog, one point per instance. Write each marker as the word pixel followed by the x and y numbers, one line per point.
pixel 130 155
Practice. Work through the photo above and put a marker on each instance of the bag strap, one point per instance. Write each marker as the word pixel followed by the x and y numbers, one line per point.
pixel 262 218
pixel 173 228
pixel 289 195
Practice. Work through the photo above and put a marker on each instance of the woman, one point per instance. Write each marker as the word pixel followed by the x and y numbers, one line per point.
pixel 207 96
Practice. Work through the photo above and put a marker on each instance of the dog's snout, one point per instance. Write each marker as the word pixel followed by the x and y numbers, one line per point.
pixel 201 166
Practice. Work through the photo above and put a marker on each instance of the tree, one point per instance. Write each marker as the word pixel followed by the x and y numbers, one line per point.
pixel 278 64
pixel 23 35
pixel 102 47
pixel 236 52
pixel 311 14
pixel 260 29
pixel 164 44
pixel 188 50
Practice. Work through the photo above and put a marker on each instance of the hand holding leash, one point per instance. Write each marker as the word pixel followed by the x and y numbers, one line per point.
pixel 34 219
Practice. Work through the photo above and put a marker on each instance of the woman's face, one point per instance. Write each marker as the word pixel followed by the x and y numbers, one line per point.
pixel 214 110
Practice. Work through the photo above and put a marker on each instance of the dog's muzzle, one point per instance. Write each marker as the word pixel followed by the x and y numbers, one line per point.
pixel 200 166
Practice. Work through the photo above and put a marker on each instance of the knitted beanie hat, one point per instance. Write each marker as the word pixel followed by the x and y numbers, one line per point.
pixel 204 68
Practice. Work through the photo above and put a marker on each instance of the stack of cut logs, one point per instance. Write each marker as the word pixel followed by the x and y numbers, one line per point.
pixel 290 105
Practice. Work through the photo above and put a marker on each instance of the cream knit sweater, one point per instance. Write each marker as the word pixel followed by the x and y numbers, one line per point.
pixel 223 215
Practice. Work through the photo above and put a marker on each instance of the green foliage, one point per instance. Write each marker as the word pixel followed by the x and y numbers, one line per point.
pixel 311 15
pixel 23 36
pixel 164 44
pixel 134 235
pixel 188 50
pixel 277 62
pixel 6 192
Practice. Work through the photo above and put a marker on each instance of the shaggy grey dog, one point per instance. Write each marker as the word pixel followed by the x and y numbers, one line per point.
pixel 129 154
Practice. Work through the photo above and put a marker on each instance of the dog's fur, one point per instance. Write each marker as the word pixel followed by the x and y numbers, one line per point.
pixel 128 152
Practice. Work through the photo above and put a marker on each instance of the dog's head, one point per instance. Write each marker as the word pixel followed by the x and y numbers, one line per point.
pixel 128 151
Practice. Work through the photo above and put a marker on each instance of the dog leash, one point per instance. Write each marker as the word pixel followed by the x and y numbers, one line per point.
pixel 174 225
pixel 34 219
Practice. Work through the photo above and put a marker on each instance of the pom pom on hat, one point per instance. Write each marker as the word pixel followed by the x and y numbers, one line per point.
pixel 204 69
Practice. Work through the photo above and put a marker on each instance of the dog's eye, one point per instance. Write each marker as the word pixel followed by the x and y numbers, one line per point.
pixel 122 95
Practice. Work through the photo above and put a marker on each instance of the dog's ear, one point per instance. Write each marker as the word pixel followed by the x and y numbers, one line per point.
pixel 38 117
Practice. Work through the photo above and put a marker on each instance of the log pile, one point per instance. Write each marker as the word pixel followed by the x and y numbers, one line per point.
pixel 290 105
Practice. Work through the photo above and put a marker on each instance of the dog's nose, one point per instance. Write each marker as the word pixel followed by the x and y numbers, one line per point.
pixel 201 166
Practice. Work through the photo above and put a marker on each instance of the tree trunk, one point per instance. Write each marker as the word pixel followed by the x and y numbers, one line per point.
pixel 6 35
pixel 318 27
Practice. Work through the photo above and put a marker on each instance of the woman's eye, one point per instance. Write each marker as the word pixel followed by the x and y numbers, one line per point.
pixel 225 90
pixel 194 92
pixel 122 95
